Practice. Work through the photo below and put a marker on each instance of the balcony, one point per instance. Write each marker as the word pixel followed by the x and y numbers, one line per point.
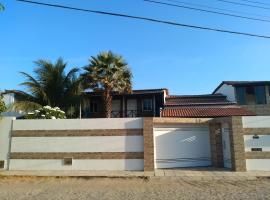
pixel 128 113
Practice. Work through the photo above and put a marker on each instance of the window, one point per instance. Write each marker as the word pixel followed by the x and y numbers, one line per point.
pixel 147 104
pixel 260 95
pixel 93 107
pixel 241 95
pixel 249 95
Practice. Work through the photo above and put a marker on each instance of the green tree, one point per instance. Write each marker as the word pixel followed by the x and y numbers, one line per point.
pixel 51 86
pixel 2 104
pixel 110 73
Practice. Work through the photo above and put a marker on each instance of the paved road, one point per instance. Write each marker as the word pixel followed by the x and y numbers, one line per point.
pixel 104 188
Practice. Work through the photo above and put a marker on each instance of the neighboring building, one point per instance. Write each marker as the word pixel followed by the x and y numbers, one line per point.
pixel 139 103
pixel 203 106
pixel 252 95
pixel 9 98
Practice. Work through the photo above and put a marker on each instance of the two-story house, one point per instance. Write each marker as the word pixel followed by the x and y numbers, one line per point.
pixel 252 95
pixel 139 103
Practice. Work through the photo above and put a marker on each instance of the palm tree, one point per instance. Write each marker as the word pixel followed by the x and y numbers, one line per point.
pixel 110 73
pixel 50 86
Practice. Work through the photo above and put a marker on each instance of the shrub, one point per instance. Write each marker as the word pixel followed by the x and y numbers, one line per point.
pixel 47 112
pixel 2 105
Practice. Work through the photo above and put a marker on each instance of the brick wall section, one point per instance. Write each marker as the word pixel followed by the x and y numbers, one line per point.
pixel 237 144
pixel 258 109
pixel 216 144
pixel 67 133
pixel 258 131
pixel 258 155
pixel 148 144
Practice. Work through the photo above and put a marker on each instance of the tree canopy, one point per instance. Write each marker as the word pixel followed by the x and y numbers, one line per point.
pixel 49 85
pixel 107 72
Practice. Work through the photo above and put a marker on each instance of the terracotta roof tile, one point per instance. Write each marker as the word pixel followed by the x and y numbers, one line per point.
pixel 205 112
pixel 201 100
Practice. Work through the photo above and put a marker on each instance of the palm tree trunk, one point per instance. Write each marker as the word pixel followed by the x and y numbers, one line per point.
pixel 107 99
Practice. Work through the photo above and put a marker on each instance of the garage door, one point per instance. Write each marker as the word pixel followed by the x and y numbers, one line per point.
pixel 182 146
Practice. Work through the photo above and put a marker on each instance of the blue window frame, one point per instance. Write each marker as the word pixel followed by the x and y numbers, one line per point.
pixel 147 104
pixel 241 95
pixel 260 95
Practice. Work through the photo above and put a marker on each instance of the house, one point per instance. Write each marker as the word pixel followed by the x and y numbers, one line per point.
pixel 10 98
pixel 139 103
pixel 203 106
pixel 252 95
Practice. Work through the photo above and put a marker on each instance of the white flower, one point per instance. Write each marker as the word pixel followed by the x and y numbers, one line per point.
pixel 47 107
pixel 31 113
pixel 37 111
pixel 56 108
pixel 53 117
pixel 42 115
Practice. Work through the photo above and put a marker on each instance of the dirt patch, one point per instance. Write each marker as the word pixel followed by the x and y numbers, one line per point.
pixel 22 188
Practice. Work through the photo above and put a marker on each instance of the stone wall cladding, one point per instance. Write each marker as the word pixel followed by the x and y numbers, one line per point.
pixel 216 144
pixel 258 109
pixel 237 144
pixel 65 133
pixel 148 144
pixel 258 131
pixel 258 155
pixel 167 120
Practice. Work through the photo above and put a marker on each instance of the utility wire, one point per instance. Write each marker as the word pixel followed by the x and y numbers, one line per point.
pixel 204 10
pixel 244 4
pixel 146 19
pixel 215 8
pixel 262 3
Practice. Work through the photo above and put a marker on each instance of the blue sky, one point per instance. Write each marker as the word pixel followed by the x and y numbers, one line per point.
pixel 186 61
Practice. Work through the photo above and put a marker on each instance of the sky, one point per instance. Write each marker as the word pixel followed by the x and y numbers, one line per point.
pixel 184 60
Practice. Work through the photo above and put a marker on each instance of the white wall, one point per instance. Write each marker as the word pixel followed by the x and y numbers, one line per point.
pixel 258 164
pixel 95 164
pixel 75 144
pixel 262 142
pixel 79 124
pixel 256 122
pixel 78 144
pixel 228 91
pixel 5 129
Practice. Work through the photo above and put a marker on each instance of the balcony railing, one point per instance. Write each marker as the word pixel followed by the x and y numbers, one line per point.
pixel 128 113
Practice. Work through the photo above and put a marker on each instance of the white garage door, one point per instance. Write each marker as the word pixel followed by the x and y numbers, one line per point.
pixel 182 146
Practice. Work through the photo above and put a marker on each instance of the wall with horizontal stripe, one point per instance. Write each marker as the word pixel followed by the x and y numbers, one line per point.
pixel 256 133
pixel 93 144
